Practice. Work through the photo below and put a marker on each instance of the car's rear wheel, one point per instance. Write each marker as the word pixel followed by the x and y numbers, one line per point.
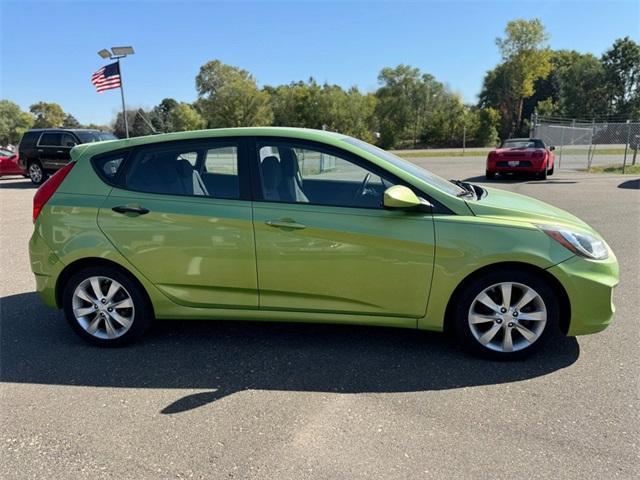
pixel 506 314
pixel 106 307
pixel 543 174
pixel 490 175
pixel 550 171
pixel 36 172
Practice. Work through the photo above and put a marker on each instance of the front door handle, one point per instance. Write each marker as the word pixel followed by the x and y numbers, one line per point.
pixel 129 209
pixel 286 224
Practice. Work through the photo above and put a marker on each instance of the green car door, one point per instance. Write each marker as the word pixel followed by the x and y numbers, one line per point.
pixel 325 244
pixel 178 215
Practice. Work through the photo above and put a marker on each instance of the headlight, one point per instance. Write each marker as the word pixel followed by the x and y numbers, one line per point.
pixel 581 244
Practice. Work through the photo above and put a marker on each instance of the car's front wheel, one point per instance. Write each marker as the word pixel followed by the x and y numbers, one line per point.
pixel 506 314
pixel 36 173
pixel 106 307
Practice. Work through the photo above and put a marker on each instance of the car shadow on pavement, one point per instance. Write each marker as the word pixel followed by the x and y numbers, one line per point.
pixel 631 184
pixel 7 183
pixel 38 347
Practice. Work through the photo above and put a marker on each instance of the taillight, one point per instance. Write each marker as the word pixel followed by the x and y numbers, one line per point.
pixel 538 154
pixel 48 188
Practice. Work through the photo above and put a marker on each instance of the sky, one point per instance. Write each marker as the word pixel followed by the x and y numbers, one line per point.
pixel 48 49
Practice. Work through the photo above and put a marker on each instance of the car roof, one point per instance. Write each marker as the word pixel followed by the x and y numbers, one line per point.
pixel 62 129
pixel 289 132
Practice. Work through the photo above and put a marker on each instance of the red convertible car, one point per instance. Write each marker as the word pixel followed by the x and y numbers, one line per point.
pixel 521 155
pixel 9 164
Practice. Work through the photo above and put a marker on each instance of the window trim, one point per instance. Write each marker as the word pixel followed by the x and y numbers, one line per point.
pixel 256 184
pixel 238 142
pixel 114 182
pixel 60 132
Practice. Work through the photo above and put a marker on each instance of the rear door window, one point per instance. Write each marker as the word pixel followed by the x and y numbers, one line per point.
pixel 50 139
pixel 201 170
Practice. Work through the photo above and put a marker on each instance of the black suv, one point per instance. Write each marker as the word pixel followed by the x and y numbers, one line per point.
pixel 45 150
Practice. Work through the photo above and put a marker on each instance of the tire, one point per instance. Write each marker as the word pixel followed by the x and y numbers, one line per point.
pixel 36 172
pixel 497 326
pixel 543 174
pixel 550 171
pixel 490 175
pixel 127 324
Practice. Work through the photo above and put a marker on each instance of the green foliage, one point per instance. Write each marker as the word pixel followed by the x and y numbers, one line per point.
pixel 526 60
pixel 228 96
pixel 582 88
pixel 184 117
pixel 487 130
pixel 160 115
pixel 621 66
pixel 47 115
pixel 71 122
pixel 13 122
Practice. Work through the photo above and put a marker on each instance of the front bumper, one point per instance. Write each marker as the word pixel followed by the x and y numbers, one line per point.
pixel 589 285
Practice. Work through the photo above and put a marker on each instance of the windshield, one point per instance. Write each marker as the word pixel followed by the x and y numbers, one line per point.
pixel 90 137
pixel 424 175
pixel 523 144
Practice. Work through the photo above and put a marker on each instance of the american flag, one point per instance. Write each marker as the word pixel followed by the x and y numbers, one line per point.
pixel 107 77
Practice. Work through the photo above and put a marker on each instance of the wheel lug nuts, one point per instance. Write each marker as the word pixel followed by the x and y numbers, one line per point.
pixel 503 310
pixel 109 309
pixel 515 313
pixel 104 300
pixel 510 324
pixel 498 321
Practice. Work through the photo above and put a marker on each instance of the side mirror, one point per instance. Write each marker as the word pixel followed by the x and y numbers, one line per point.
pixel 400 196
pixel 71 144
pixel 552 148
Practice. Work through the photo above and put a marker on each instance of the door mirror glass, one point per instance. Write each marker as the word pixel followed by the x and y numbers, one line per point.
pixel 552 148
pixel 400 196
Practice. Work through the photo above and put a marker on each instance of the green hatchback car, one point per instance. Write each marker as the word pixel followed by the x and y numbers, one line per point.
pixel 296 225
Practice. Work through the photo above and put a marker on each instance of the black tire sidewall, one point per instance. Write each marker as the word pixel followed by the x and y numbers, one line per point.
pixel 143 312
pixel 471 290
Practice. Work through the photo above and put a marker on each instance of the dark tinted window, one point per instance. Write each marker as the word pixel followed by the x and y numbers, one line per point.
pixel 108 166
pixel 68 140
pixel 203 170
pixel 29 139
pixel 53 139
pixel 523 143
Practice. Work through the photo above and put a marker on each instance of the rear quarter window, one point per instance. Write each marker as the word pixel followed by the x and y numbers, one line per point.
pixel 107 166
pixel 29 139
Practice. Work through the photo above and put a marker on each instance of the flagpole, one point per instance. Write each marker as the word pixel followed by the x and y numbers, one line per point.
pixel 124 111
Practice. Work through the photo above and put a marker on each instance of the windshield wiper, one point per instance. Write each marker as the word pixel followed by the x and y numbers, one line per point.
pixel 468 189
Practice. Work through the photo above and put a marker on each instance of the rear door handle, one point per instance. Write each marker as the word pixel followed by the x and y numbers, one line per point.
pixel 286 224
pixel 128 209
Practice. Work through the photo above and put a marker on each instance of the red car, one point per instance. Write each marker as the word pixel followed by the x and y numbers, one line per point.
pixel 526 155
pixel 9 164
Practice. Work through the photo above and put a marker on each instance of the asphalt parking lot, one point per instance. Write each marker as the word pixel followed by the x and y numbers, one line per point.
pixel 271 401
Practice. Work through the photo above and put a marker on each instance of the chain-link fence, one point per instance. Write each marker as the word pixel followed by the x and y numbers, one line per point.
pixel 582 144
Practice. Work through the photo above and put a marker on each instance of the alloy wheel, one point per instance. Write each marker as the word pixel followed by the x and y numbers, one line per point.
pixel 507 317
pixel 103 307
pixel 35 173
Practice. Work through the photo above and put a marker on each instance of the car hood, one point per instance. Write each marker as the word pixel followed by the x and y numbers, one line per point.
pixel 520 208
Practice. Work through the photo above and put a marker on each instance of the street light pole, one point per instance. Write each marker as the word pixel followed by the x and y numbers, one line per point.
pixel 124 110
pixel 116 54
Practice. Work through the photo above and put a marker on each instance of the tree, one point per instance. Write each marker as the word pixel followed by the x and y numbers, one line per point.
pixel 160 115
pixel 47 115
pixel 621 64
pixel 526 59
pixel 184 117
pixel 138 121
pixel 583 88
pixel 228 96
pixel 487 132
pixel 405 101
pixel 13 122
pixel 71 122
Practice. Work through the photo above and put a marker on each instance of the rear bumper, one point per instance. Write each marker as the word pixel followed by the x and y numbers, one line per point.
pixel 533 168
pixel 46 267
pixel 589 286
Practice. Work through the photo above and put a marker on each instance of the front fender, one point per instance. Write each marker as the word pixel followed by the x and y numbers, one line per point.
pixel 467 244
